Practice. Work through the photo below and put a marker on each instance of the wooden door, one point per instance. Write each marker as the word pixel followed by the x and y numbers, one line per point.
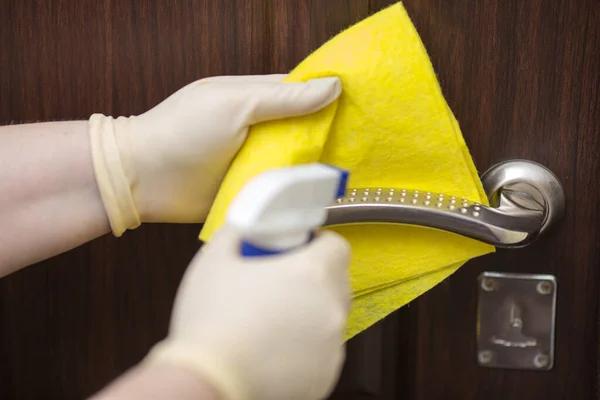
pixel 521 76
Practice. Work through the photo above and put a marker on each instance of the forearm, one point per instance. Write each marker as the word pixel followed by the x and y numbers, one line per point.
pixel 158 382
pixel 49 201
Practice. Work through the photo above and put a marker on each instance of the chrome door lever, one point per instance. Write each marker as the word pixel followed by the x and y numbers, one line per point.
pixel 525 200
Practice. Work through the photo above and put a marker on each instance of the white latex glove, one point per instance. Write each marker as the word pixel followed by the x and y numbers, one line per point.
pixel 166 165
pixel 267 328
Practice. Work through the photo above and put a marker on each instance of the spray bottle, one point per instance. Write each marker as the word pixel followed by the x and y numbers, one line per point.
pixel 280 209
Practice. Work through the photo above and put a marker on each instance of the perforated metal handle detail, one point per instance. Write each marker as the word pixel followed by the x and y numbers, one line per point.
pixel 519 214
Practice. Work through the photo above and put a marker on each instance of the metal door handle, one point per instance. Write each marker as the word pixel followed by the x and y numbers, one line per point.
pixel 525 200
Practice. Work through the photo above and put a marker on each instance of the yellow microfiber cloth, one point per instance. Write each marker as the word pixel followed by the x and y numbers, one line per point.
pixel 391 127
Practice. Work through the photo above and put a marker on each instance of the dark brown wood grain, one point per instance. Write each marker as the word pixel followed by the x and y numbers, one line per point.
pixel 522 78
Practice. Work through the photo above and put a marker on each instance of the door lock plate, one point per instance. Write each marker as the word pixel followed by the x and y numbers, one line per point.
pixel 516 320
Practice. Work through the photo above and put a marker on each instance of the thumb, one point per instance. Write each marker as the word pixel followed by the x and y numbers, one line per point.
pixel 282 100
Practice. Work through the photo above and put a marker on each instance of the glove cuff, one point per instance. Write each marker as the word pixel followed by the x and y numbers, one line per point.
pixel 209 367
pixel 110 175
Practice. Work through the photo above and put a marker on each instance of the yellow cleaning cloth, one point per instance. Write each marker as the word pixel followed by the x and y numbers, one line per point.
pixel 391 127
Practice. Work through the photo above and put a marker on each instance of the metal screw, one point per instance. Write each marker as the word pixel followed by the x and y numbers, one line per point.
pixel 544 287
pixel 488 284
pixel 485 356
pixel 541 360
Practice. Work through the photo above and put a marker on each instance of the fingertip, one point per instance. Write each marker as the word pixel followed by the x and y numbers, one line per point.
pixel 330 88
pixel 292 99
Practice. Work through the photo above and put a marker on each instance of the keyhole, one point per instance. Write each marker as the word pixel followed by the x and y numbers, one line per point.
pixel 515 318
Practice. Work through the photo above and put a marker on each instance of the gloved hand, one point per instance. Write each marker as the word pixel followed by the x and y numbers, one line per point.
pixel 267 328
pixel 166 165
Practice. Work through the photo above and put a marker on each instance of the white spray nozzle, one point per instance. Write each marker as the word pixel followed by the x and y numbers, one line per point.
pixel 280 208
